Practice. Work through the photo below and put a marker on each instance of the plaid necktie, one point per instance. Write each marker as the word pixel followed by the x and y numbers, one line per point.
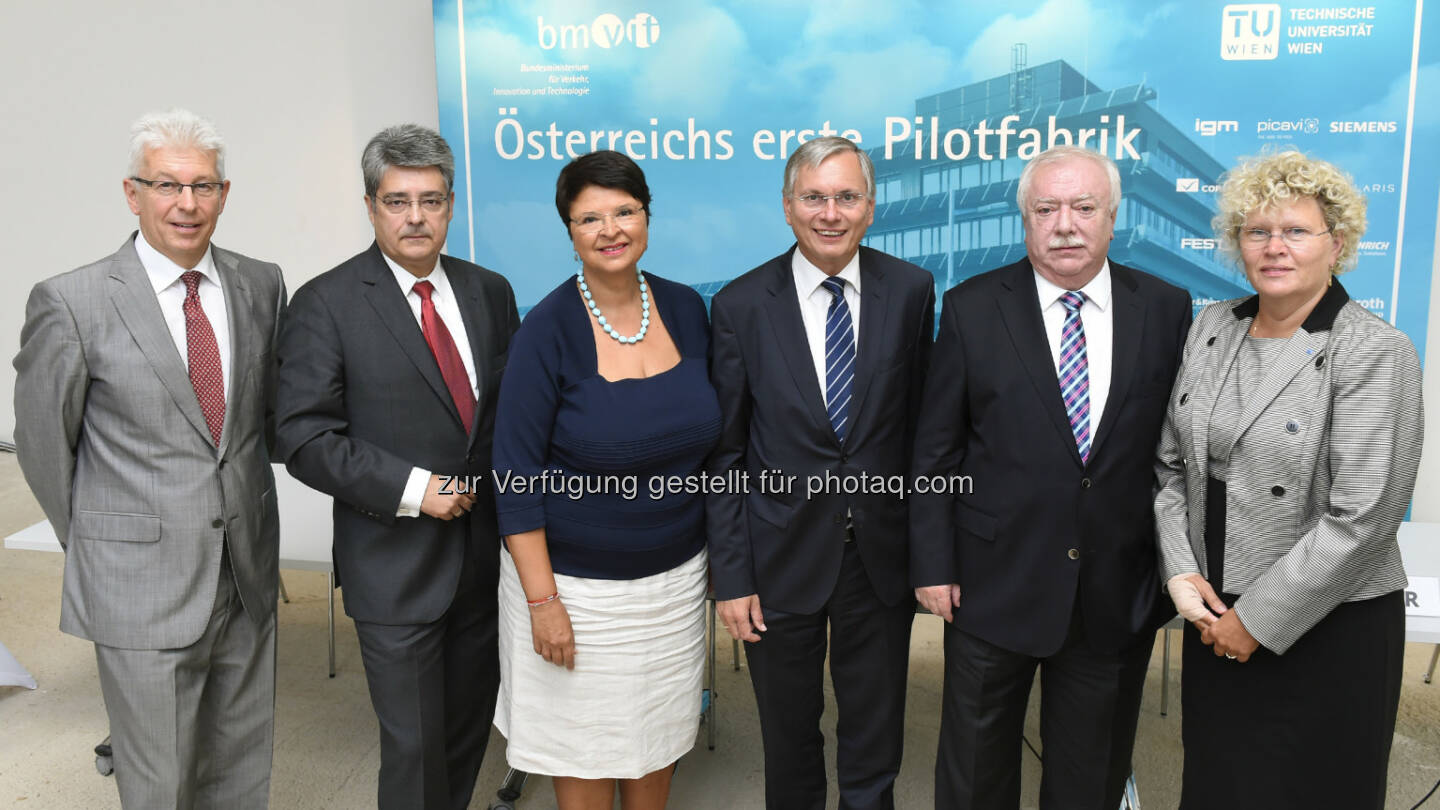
pixel 1075 372
pixel 839 357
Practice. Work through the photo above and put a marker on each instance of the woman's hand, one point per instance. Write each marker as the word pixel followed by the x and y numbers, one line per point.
pixel 551 632
pixel 1195 600
pixel 1228 637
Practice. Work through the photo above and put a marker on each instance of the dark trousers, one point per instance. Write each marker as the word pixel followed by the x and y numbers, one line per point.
pixel 1089 707
pixel 869 661
pixel 433 688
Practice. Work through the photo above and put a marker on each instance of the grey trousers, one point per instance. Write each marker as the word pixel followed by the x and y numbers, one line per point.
pixel 194 727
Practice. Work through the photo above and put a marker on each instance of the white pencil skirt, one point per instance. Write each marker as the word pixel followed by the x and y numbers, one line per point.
pixel 631 706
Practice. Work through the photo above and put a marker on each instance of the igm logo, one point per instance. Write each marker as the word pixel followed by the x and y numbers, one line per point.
pixel 608 31
pixel 1250 31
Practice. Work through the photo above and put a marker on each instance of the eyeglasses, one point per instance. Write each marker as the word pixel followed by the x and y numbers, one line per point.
pixel 399 206
pixel 594 223
pixel 169 188
pixel 1294 237
pixel 814 202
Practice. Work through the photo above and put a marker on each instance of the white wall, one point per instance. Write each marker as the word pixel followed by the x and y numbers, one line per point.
pixel 296 88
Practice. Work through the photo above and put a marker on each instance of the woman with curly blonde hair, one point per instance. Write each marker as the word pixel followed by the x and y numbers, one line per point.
pixel 1287 461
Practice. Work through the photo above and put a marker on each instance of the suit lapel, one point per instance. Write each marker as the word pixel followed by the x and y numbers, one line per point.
pixel 1127 319
pixel 385 297
pixel 783 309
pixel 238 306
pixel 470 298
pixel 1020 310
pixel 874 311
pixel 134 299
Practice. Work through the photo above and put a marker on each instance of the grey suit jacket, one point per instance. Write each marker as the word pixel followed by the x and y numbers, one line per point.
pixel 113 444
pixel 1320 475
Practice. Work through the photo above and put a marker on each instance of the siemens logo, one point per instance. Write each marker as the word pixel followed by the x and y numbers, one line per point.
pixel 607 31
pixel 1197 243
pixel 1309 126
pixel 1363 126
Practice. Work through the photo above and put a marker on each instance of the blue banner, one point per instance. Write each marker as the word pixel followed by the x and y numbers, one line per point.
pixel 950 100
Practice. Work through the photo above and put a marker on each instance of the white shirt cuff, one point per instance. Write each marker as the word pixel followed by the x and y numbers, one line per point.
pixel 414 493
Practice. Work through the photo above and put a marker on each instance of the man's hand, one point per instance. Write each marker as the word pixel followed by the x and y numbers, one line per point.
pixel 742 617
pixel 1228 637
pixel 939 599
pixel 550 630
pixel 448 505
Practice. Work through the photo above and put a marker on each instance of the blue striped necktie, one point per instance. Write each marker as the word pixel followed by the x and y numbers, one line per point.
pixel 1075 372
pixel 839 357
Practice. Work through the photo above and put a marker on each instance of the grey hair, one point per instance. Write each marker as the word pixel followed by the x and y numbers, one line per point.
pixel 816 150
pixel 408 145
pixel 174 127
pixel 1055 154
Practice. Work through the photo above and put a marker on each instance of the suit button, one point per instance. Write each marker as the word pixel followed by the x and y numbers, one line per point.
pixel 1277 490
pixel 217 523
pixel 844 458
pixel 1210 342
pixel 839 520
pixel 222 463
pixel 470 458
pixel 1073 553
pixel 1084 483
pixel 1183 398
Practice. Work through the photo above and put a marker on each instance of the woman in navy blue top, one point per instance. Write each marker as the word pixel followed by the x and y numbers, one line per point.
pixel 605 417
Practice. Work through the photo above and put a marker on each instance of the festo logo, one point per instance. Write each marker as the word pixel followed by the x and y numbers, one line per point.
pixel 1197 243
pixel 1250 31
pixel 1363 126
pixel 608 31
pixel 1309 126
pixel 1216 127
pixel 1192 185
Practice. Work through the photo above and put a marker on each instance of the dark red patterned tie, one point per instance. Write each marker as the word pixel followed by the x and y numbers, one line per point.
pixel 204 356
pixel 452 368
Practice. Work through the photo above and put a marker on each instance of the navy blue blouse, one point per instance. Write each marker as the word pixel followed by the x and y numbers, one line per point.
pixel 605 466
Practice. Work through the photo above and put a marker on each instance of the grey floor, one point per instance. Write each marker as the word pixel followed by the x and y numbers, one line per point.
pixel 326 749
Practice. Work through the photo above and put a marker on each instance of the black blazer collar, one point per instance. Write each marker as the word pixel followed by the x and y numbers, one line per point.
pixel 1320 319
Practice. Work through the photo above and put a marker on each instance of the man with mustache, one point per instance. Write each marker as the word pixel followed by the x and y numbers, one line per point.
pixel 1048 387
pixel 389 371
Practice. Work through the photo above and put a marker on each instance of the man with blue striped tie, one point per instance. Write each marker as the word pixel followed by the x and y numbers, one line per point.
pixel 819 356
pixel 1048 389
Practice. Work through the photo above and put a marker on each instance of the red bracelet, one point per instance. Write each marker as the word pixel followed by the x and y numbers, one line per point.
pixel 544 600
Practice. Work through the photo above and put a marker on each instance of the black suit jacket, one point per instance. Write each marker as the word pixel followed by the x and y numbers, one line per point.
pixel 1039 526
pixel 783 546
pixel 361 401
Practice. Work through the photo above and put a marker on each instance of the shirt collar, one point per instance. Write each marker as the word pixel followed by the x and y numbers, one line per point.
pixel 407 279
pixel 808 277
pixel 163 272
pixel 1096 292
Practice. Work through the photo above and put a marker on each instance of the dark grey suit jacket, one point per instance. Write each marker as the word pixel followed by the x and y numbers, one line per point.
pixel 113 444
pixel 783 546
pixel 362 401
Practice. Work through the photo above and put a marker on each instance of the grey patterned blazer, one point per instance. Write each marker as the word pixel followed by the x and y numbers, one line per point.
pixel 113 443
pixel 1321 472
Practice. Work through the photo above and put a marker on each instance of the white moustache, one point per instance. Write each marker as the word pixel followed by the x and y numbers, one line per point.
pixel 1065 242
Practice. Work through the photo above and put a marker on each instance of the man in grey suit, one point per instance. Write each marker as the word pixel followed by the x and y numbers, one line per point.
pixel 143 401
pixel 389 367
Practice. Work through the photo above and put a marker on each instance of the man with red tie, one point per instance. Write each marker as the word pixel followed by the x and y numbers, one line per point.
pixel 388 376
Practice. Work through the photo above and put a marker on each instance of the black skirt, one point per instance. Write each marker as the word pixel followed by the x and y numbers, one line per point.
pixel 1307 729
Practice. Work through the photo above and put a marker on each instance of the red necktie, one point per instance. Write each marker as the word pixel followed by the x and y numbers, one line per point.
pixel 204 356
pixel 452 368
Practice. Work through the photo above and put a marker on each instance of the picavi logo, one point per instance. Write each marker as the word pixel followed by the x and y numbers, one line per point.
pixel 1197 243
pixel 1308 126
pixel 1192 185
pixel 1250 31
pixel 607 31
pixel 1216 127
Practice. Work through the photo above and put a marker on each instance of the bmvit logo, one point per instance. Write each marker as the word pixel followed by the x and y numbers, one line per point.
pixel 1309 126
pixel 1216 127
pixel 1250 31
pixel 1364 126
pixel 1197 243
pixel 608 31
pixel 1192 185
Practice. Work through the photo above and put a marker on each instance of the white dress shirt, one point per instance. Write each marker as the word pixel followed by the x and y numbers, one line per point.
pixel 164 276
pixel 815 306
pixel 1097 316
pixel 443 297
